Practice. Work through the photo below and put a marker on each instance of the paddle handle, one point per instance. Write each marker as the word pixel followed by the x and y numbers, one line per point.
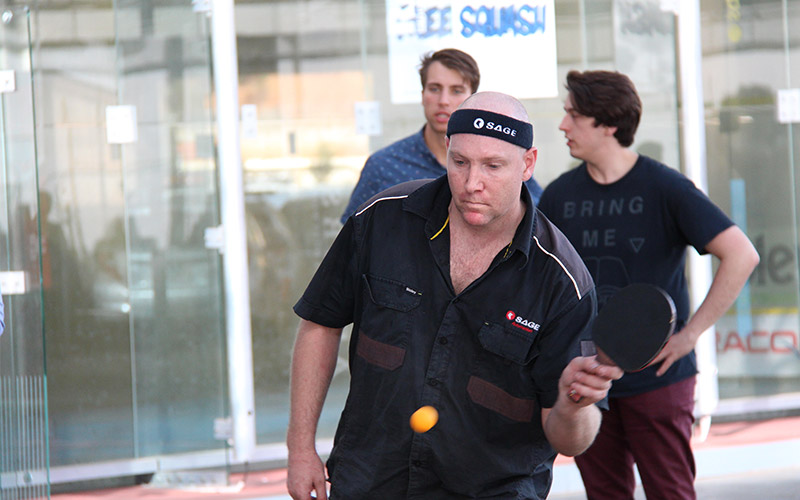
pixel 591 349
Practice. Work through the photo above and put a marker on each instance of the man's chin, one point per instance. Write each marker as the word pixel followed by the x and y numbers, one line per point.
pixel 475 218
pixel 573 152
pixel 439 128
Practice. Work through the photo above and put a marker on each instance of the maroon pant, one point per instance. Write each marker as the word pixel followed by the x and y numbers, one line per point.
pixel 653 430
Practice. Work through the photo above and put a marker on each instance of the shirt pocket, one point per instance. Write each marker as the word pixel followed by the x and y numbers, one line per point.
pixel 391 294
pixel 500 379
pixel 508 342
pixel 386 321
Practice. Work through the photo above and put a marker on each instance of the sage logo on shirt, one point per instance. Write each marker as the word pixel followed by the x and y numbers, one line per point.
pixel 520 322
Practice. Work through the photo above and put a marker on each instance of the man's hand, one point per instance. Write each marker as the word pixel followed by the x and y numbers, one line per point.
pixel 306 474
pixel 572 424
pixel 313 364
pixel 586 381
pixel 678 346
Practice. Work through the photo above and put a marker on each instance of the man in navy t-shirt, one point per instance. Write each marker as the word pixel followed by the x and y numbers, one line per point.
pixel 632 219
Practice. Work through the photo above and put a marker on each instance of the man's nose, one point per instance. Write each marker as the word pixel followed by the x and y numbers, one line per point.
pixel 474 180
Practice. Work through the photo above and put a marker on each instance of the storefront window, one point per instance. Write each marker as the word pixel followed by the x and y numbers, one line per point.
pixel 133 307
pixel 750 54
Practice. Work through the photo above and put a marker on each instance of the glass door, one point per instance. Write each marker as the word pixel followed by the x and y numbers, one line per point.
pixel 24 462
pixel 163 126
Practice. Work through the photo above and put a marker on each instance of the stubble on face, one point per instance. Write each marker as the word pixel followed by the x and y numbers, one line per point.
pixel 485 176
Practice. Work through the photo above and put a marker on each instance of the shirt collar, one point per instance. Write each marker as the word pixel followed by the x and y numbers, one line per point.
pixel 431 201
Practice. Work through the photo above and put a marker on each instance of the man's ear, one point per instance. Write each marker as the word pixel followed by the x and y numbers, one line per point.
pixel 529 157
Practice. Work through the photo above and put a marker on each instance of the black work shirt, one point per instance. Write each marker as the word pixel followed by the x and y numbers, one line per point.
pixel 488 359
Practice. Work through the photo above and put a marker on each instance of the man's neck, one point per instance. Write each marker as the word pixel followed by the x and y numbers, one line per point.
pixel 473 249
pixel 436 144
pixel 611 165
pixel 500 231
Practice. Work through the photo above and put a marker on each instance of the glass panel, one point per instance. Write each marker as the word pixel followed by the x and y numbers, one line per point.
pixel 89 355
pixel 750 55
pixel 301 165
pixel 23 411
pixel 170 186
pixel 129 176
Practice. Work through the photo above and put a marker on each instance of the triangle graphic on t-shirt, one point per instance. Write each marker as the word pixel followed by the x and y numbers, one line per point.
pixel 637 243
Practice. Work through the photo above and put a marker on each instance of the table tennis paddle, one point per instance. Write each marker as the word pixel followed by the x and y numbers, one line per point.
pixel 633 326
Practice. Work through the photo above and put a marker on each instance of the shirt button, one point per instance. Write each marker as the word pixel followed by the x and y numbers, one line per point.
pixel 443 340
pixel 417 463
pixel 433 382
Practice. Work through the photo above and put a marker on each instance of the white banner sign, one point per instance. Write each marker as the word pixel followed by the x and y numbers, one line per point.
pixel 514 43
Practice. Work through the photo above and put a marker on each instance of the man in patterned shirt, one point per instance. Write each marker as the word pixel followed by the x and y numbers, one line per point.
pixel 448 77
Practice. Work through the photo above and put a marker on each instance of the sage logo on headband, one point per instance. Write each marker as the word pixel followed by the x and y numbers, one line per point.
pixel 479 123
pixel 482 122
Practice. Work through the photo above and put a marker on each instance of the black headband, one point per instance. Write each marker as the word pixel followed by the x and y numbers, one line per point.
pixel 482 122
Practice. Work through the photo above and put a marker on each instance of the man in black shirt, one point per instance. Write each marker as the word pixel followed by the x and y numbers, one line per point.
pixel 464 298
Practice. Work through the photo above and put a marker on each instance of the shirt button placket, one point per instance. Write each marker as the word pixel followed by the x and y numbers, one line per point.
pixel 431 395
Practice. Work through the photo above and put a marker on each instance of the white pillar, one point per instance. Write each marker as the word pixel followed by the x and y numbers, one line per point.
pixel 690 59
pixel 234 257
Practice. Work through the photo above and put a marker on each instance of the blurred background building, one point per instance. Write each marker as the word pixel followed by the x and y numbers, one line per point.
pixel 113 362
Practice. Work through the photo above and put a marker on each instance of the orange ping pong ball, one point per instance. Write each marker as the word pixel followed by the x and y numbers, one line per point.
pixel 423 419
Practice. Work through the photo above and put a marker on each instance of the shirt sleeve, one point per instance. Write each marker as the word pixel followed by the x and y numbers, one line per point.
pixel 329 298
pixel 698 218
pixel 561 343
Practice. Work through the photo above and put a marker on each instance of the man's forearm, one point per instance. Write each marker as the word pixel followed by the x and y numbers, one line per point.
pixel 313 364
pixel 571 429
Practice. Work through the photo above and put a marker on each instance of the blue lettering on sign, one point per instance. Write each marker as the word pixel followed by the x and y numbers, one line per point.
pixel 432 22
pixel 437 22
pixel 493 21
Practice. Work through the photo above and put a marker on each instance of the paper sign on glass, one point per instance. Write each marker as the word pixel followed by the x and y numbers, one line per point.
pixel 121 127
pixel 514 43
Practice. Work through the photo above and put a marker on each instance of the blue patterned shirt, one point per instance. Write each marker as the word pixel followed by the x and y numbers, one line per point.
pixel 405 160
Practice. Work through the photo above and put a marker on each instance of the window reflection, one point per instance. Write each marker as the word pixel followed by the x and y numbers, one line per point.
pixel 132 296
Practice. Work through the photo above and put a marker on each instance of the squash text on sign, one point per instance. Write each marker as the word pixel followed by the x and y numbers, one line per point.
pixel 494 21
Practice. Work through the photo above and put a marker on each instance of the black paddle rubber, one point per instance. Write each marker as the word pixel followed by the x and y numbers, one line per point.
pixel 633 326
